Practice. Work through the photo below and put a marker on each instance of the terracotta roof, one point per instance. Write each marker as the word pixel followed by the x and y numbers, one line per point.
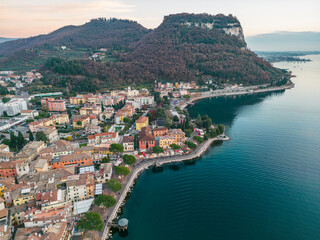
pixel 3 213
pixel 146 135
pixel 75 156
pixel 160 129
pixel 142 119
pixel 127 139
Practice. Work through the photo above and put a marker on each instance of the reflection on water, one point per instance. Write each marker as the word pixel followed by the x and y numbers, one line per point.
pixel 225 109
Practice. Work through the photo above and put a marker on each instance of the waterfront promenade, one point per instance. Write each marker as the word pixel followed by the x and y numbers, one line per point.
pixel 145 164
pixel 233 92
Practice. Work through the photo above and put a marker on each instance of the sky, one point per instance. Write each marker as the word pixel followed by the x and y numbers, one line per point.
pixel 25 18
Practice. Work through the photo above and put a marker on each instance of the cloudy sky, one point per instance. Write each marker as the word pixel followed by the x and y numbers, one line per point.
pixel 24 18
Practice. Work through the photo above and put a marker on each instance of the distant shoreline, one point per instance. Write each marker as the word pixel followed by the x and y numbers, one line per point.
pixel 234 93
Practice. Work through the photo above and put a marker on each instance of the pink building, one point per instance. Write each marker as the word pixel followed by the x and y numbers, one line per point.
pixel 54 105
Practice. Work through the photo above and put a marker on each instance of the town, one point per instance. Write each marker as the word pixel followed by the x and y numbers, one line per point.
pixel 66 163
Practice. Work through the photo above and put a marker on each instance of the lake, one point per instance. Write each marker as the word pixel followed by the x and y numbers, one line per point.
pixel 262 184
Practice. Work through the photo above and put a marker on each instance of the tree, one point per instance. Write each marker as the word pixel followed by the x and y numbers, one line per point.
pixel 13 140
pixel 79 123
pixel 221 128
pixel 191 145
pixel 187 96
pixel 126 120
pixel 129 159
pixel 114 185
pixel 175 146
pixel 105 200
pixel 102 107
pixel 199 121
pixel 136 141
pixel 188 132
pixel 5 99
pixel 122 170
pixel 20 141
pixel 157 149
pixel 69 113
pixel 175 118
pixel 92 221
pixel 69 138
pixel 6 141
pixel 105 160
pixel 5 114
pixel 29 120
pixel 40 136
pixel 198 139
pixel 116 148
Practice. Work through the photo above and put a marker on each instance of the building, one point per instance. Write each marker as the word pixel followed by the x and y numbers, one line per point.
pixel 13 107
pixel 104 173
pixel 59 148
pixel 51 199
pixel 146 139
pixel 76 159
pixel 53 120
pixel 106 137
pixel 106 114
pixel 54 105
pixel 8 169
pixel 157 132
pixel 50 132
pixel 80 122
pixel 30 113
pixel 86 111
pixel 81 188
pixel 22 168
pixel 142 122
pixel 166 141
pixel 37 218
pixel 4 148
pixel 128 143
pixel 22 196
pixel 178 134
pixel 5 156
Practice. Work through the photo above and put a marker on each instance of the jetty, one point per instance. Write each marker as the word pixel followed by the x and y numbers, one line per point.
pixel 140 167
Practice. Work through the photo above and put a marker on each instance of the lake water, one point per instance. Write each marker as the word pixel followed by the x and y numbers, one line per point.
pixel 262 184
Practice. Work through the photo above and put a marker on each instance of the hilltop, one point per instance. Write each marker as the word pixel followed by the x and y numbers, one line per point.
pixel 184 47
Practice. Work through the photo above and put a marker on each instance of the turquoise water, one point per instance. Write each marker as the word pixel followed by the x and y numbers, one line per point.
pixel 263 184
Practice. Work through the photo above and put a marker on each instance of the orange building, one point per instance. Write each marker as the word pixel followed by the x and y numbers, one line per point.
pixel 8 169
pixel 77 159
pixel 55 105
pixel 157 132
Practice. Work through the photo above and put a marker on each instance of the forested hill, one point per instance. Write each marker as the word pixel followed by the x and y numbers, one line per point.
pixel 98 33
pixel 184 47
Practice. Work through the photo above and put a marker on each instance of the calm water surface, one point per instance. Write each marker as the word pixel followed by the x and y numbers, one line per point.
pixel 263 184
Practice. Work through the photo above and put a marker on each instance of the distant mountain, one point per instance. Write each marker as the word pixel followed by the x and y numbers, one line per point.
pixel 285 41
pixel 3 39
pixel 184 47
pixel 98 33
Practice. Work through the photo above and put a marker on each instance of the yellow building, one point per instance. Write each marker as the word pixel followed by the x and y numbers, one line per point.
pixel 2 188
pixel 166 141
pixel 23 198
pixel 78 100
pixel 84 120
pixel 178 134
pixel 86 111
pixel 142 122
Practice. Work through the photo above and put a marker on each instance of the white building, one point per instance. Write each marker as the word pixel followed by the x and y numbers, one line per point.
pixel 13 107
pixel 30 113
